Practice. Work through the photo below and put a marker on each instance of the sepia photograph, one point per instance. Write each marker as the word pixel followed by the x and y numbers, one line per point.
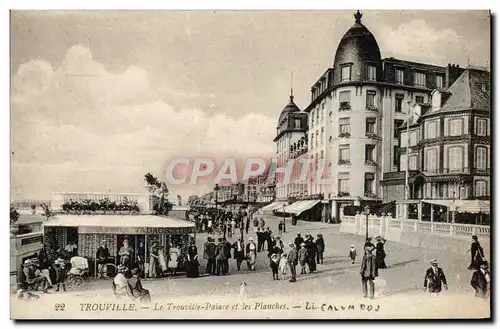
pixel 250 164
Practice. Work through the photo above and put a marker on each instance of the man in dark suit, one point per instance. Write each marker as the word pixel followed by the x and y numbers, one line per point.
pixel 368 272
pixel 135 289
pixel 239 252
pixel 435 279
pixel 227 250
pixel 220 256
pixel 298 241
pixel 293 260
pixel 209 255
pixel 481 280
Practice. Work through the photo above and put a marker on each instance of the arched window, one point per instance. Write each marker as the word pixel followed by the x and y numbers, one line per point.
pixel 455 158
pixel 481 188
pixel 481 157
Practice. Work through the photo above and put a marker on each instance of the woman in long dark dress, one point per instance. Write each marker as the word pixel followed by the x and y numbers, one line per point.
pixel 476 254
pixel 380 254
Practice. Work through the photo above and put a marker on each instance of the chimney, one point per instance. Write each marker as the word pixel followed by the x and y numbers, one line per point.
pixel 452 73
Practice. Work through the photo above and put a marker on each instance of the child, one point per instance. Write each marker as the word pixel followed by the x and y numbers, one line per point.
pixel 60 270
pixel 302 258
pixel 283 266
pixel 352 253
pixel 275 259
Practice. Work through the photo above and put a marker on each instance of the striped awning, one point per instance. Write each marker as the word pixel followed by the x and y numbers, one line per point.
pixel 299 207
pixel 273 206
pixel 470 206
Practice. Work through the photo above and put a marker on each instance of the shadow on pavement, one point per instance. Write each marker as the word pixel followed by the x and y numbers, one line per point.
pixel 403 264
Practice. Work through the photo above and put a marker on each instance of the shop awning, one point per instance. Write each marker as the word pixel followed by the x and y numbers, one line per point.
pixel 273 206
pixel 299 207
pixel 470 206
pixel 127 224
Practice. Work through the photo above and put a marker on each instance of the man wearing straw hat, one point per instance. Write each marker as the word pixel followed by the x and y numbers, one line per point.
pixel 435 279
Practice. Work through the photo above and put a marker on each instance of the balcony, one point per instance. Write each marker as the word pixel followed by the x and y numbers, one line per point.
pixel 344 135
pixel 372 135
pixel 371 108
pixel 370 194
pixel 344 162
pixel 343 194
pixel 446 171
pixel 345 107
pixel 370 163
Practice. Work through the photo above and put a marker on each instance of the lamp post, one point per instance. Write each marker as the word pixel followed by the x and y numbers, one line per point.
pixel 367 213
pixel 216 190
pixel 460 189
pixel 284 219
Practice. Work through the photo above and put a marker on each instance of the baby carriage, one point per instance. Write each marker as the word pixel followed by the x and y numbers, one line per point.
pixel 78 272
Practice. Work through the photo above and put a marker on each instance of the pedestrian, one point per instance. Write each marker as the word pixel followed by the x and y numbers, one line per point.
pixel 60 269
pixel 173 259
pixel 239 252
pixel 481 281
pixel 283 266
pixel 320 247
pixel 293 259
pixel 380 253
pixel 102 256
pixel 247 224
pixel 280 245
pixel 271 243
pixel 274 264
pixel 352 253
pixel 227 250
pixel 192 250
pixel 302 254
pixel 209 255
pixel 220 255
pixel 251 253
pixel 280 228
pixel 233 225
pixel 435 279
pixel 368 243
pixel 260 240
pixel 298 241
pixel 311 253
pixel 154 262
pixel 476 254
pixel 135 289
pixel 209 226
pixel 256 225
pixel 368 272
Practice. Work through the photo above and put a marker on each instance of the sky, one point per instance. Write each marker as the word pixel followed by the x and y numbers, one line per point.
pixel 98 99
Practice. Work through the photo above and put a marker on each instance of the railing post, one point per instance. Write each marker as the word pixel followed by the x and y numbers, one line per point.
pixel 416 226
pixel 451 229
pixel 433 227
pixel 474 230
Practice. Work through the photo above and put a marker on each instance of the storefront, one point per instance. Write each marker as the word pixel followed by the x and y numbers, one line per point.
pixel 90 231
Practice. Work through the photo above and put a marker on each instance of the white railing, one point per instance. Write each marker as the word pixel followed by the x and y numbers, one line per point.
pixel 411 225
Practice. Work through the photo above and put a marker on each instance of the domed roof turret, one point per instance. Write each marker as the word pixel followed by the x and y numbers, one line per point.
pixel 289 108
pixel 358 49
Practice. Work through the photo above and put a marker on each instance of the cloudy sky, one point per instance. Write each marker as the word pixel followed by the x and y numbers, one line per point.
pixel 100 98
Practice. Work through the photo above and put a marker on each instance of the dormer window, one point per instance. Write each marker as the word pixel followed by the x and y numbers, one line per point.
pixel 346 73
pixel 419 79
pixel 372 73
pixel 439 81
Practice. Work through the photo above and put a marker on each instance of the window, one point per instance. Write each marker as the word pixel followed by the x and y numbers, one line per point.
pixel 312 140
pixel 481 188
pixel 322 112
pixel 346 73
pixel 481 127
pixel 419 79
pixel 400 74
pixel 317 138
pixel 413 138
pixel 322 133
pixel 370 125
pixel 369 150
pixel 344 125
pixel 370 99
pixel 369 178
pixel 397 124
pixel 431 160
pixel 395 159
pixel 322 155
pixel 343 182
pixel 345 97
pixel 317 115
pixel 297 123
pixel 412 162
pixel 455 158
pixel 481 157
pixel 431 130
pixel 419 99
pixel 344 152
pixel 455 127
pixel 439 81
pixel 372 72
pixel 312 117
pixel 399 102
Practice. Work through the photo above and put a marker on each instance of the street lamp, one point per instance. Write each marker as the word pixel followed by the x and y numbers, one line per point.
pixel 367 212
pixel 284 219
pixel 453 214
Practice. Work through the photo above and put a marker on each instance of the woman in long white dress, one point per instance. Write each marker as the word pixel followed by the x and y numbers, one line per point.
pixel 173 259
pixel 161 259
pixel 154 261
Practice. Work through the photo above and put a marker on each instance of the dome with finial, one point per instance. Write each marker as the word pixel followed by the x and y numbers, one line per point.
pixel 289 108
pixel 357 48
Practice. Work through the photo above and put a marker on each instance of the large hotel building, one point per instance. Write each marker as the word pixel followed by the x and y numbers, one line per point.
pixel 356 125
